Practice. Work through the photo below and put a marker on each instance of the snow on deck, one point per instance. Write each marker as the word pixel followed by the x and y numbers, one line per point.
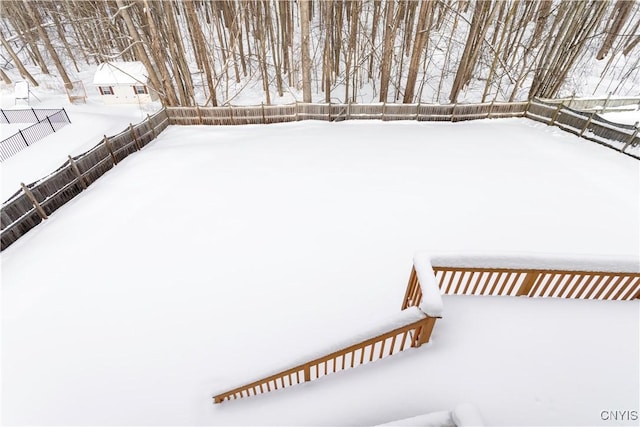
pixel 217 254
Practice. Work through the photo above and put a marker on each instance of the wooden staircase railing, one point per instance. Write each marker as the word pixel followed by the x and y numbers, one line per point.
pixel 594 278
pixel 412 335
pixel 523 275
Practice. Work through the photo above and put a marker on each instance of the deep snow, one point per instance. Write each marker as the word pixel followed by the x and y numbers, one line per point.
pixel 218 253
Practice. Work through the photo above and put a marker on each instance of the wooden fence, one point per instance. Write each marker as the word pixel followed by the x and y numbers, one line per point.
pixel 588 125
pixel 409 336
pixel 531 282
pixel 34 202
pixel 267 114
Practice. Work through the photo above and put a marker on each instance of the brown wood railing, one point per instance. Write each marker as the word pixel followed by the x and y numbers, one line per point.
pixel 606 285
pixel 412 335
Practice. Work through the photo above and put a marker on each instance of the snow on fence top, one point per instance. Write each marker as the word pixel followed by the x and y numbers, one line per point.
pixel 120 73
pixel 524 274
pixel 536 261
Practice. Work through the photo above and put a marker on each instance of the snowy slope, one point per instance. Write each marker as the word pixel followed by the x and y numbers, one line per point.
pixel 219 253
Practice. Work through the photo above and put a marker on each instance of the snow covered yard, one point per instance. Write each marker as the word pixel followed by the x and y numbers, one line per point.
pixel 220 253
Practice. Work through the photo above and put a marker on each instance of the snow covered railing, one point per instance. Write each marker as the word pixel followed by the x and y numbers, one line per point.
pixel 532 275
pixel 409 329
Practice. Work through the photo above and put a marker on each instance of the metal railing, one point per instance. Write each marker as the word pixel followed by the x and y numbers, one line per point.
pixel 45 122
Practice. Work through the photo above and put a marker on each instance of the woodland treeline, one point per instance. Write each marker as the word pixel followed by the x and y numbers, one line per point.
pixel 205 52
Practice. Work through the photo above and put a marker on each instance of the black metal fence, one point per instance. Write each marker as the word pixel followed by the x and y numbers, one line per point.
pixel 45 122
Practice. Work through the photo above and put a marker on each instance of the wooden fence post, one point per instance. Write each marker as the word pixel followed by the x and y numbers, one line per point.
pixel 384 107
pixel 453 112
pixel 329 112
pixel 108 145
pixel 264 119
pixel 526 109
pixel 490 109
pixel 425 331
pixel 349 109
pixel 76 171
pixel 153 130
pixel 233 122
pixel 586 125
pixel 135 138
pixel 527 283
pixel 633 136
pixel 296 110
pixel 417 111
pixel 34 202
pixel 555 114
pixel 199 114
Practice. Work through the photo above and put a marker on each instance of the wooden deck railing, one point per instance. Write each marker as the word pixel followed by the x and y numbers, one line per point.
pixel 569 277
pixel 412 335
pixel 532 282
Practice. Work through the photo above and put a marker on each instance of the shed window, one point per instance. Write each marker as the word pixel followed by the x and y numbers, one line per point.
pixel 106 90
pixel 140 90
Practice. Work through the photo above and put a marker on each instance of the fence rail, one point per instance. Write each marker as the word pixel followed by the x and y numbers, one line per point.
pixel 45 122
pixel 33 203
pixel 554 282
pixel 409 336
pixel 597 104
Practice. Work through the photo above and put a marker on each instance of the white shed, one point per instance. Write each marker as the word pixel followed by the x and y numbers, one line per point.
pixel 123 83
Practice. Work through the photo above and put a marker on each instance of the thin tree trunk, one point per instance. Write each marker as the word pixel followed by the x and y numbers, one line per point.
pixel 306 58
pixel 21 68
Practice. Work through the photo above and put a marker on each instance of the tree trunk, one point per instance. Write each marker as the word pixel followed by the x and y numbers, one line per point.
pixel 306 58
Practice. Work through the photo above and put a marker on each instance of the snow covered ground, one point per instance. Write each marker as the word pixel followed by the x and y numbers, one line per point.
pixel 217 254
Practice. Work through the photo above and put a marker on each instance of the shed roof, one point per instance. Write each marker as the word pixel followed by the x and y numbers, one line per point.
pixel 120 73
